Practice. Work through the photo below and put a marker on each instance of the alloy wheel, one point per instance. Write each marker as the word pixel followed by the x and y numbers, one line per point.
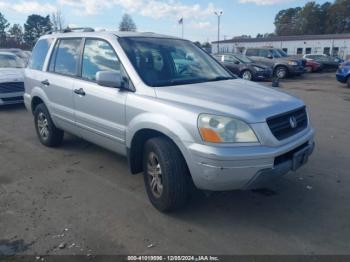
pixel 154 172
pixel 43 126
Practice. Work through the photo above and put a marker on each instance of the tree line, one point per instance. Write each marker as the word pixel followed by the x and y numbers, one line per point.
pixel 25 37
pixel 313 18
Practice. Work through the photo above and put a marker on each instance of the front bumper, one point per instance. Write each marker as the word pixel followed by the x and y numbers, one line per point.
pixel 265 74
pixel 341 78
pixel 246 167
pixel 296 70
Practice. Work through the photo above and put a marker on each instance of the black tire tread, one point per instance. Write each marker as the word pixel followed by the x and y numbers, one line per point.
pixel 281 66
pixel 177 183
pixel 56 135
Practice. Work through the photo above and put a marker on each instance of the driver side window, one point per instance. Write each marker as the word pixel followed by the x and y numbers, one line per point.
pixel 98 56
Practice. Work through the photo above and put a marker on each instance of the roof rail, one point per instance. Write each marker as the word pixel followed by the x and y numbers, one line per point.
pixel 82 29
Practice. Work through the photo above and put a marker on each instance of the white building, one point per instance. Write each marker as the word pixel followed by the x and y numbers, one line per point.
pixel 336 44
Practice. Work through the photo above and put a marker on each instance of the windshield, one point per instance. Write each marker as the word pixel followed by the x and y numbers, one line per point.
pixel 10 61
pixel 166 62
pixel 243 58
pixel 282 53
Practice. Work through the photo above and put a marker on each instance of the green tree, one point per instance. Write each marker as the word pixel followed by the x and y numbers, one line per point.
pixel 287 22
pixel 127 24
pixel 16 33
pixel 35 27
pixel 3 26
pixel 338 19
pixel 310 19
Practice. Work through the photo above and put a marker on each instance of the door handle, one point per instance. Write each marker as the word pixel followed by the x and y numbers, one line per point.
pixel 45 82
pixel 79 91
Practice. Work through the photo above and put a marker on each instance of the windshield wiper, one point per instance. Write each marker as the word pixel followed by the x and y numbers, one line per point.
pixel 220 78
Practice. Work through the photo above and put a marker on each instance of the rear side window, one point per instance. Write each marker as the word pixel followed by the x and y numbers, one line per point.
pixel 39 54
pixel 65 57
pixel 98 56
pixel 252 52
pixel 264 53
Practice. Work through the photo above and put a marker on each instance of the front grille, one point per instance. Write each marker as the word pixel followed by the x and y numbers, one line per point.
pixel 11 87
pixel 281 125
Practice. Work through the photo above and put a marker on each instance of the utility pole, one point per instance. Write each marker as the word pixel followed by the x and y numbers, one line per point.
pixel 218 14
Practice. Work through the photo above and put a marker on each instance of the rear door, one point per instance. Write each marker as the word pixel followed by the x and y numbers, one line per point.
pixel 99 110
pixel 34 73
pixel 59 81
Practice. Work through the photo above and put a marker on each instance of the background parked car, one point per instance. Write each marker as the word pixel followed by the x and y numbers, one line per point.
pixel 313 66
pixel 283 65
pixel 11 79
pixel 244 67
pixel 343 73
pixel 328 62
pixel 24 55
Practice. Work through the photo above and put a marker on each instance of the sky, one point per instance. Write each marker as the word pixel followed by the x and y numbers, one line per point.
pixel 248 17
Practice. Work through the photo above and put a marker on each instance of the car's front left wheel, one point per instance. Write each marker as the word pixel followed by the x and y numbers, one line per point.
pixel 166 176
pixel 49 135
pixel 247 75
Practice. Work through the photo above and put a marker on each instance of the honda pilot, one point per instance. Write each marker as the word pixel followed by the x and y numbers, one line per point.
pixel 175 113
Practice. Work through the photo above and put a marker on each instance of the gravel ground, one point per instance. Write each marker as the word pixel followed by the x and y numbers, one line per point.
pixel 80 199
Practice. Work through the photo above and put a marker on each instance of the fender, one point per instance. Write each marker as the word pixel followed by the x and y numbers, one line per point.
pixel 163 124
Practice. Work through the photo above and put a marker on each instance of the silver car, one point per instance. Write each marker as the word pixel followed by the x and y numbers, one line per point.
pixel 11 79
pixel 176 114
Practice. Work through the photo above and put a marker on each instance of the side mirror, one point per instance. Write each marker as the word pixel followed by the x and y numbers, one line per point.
pixel 236 62
pixel 109 79
pixel 269 56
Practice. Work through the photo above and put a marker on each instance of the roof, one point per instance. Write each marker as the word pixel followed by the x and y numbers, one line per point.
pixel 109 33
pixel 285 38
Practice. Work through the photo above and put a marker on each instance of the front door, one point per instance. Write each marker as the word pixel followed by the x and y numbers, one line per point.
pixel 99 110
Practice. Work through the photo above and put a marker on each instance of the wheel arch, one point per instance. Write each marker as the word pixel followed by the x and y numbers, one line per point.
pixel 138 134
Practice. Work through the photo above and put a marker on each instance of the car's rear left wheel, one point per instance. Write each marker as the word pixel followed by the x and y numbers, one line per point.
pixel 49 135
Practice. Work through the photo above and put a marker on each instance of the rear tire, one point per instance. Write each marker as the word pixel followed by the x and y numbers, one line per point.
pixel 348 82
pixel 281 72
pixel 48 134
pixel 166 176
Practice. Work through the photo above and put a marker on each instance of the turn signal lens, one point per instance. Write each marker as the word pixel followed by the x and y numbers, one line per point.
pixel 209 135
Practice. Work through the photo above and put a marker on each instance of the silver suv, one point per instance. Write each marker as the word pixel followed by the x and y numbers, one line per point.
pixel 176 114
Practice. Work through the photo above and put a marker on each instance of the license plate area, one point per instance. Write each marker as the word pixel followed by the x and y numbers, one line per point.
pixel 300 158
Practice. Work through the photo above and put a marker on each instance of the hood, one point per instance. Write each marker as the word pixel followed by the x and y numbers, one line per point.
pixel 246 100
pixel 11 74
pixel 261 65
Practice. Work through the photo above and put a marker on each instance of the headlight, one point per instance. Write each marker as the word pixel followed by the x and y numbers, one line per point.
pixel 258 68
pixel 293 63
pixel 220 129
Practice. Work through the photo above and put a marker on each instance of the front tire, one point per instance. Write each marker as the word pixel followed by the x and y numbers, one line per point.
pixel 48 134
pixel 281 72
pixel 247 75
pixel 166 176
pixel 348 82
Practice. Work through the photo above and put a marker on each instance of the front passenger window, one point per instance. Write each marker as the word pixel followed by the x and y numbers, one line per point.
pixel 98 56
